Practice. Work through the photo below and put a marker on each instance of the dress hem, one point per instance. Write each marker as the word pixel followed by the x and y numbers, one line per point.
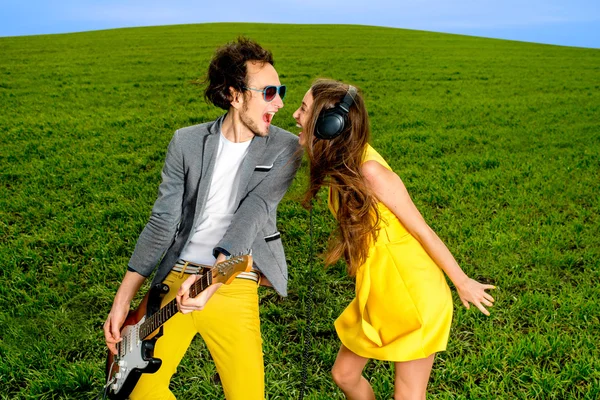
pixel 399 359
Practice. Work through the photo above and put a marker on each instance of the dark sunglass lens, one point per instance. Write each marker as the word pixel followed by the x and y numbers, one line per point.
pixel 282 90
pixel 270 93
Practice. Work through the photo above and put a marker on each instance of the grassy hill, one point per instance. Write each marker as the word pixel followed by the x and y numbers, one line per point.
pixel 497 141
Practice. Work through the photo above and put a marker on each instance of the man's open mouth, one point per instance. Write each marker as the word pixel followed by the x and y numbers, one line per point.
pixel 268 117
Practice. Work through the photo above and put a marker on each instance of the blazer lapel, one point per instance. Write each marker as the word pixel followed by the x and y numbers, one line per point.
pixel 252 159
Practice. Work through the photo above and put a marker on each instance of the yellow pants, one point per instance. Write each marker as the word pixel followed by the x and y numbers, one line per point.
pixel 230 327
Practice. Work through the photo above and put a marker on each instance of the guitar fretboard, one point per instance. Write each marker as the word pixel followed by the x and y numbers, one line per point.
pixel 161 316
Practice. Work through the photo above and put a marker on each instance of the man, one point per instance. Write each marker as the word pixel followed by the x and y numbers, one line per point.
pixel 221 184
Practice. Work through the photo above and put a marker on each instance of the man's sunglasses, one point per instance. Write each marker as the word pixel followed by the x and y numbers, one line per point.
pixel 269 92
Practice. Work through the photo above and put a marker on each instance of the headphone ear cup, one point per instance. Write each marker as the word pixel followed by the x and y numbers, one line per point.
pixel 330 124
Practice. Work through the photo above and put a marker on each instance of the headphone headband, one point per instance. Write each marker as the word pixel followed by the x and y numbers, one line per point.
pixel 348 98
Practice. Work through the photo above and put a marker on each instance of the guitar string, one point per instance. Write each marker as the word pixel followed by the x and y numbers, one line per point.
pixel 166 312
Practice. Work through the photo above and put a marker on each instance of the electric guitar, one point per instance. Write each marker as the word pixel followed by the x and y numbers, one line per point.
pixel 144 325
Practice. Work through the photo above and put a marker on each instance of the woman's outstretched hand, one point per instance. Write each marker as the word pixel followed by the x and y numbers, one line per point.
pixel 474 292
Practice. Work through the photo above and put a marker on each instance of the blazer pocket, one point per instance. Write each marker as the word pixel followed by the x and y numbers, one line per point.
pixel 272 237
pixel 275 247
pixel 263 168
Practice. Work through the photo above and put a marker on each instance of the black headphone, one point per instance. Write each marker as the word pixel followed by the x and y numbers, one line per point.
pixel 331 122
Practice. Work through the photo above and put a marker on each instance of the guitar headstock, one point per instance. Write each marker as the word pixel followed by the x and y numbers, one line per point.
pixel 226 271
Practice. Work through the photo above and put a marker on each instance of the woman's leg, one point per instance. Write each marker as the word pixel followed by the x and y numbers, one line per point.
pixel 411 378
pixel 347 374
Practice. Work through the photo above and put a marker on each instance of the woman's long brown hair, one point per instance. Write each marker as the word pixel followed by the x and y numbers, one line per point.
pixel 337 163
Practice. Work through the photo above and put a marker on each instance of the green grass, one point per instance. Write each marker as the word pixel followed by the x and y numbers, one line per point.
pixel 497 141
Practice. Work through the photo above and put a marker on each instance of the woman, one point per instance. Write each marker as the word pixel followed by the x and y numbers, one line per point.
pixel 403 306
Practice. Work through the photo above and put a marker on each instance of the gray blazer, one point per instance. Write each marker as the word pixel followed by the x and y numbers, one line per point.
pixel 266 173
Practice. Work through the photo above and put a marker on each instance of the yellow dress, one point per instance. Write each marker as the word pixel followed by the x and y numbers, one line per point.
pixel 403 306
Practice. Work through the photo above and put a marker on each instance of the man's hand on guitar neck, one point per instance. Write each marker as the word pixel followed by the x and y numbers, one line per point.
pixel 120 308
pixel 187 304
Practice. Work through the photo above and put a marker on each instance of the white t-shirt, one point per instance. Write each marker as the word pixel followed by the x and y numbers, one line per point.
pixel 220 203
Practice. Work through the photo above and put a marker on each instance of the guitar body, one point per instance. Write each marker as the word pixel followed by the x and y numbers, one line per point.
pixel 135 356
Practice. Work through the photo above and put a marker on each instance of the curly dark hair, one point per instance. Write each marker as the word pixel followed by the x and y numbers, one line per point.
pixel 228 69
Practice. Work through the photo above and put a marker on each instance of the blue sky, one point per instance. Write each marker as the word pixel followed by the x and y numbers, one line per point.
pixel 562 22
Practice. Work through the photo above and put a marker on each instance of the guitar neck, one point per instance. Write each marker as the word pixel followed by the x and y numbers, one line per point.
pixel 156 320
